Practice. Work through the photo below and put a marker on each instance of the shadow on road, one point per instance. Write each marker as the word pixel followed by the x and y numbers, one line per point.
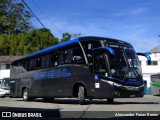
pixel 75 101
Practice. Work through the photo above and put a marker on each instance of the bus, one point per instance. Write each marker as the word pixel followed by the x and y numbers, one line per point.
pixel 85 68
pixel 155 84
pixel 4 87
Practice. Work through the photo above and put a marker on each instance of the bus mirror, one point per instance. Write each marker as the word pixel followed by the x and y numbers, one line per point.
pixel 146 55
pixel 108 50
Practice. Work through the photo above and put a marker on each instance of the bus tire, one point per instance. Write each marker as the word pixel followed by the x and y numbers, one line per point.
pixel 81 95
pixel 110 100
pixel 25 95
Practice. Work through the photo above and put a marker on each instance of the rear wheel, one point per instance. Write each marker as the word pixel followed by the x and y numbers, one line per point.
pixel 110 100
pixel 26 95
pixel 81 95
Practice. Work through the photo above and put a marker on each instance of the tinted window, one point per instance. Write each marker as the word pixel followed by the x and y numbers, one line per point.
pixel 68 55
pixel 24 64
pixel 99 63
pixel 45 61
pixel 32 63
pixel 60 57
pixel 75 55
pixel 88 46
pixel 54 59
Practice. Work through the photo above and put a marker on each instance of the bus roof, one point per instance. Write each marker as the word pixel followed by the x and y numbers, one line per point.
pixel 49 49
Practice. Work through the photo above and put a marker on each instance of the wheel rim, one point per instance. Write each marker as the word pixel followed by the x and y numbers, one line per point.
pixel 25 95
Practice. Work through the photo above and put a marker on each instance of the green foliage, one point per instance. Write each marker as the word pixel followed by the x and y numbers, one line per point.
pixel 23 44
pixel 17 36
pixel 14 18
pixel 65 37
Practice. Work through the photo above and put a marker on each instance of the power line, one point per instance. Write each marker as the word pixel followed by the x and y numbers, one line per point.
pixel 47 18
pixel 33 13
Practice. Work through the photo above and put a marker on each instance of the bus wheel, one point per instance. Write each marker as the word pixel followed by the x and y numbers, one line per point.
pixel 110 100
pixel 81 95
pixel 25 95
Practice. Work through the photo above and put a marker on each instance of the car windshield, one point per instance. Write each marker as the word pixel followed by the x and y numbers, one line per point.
pixel 5 84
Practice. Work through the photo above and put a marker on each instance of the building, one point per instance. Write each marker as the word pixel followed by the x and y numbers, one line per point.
pixel 153 67
pixel 5 62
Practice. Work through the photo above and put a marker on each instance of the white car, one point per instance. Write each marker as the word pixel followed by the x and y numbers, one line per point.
pixel 4 87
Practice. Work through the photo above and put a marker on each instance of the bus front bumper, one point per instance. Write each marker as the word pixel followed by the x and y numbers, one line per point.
pixel 128 91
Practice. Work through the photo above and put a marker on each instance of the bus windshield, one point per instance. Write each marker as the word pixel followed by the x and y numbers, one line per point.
pixel 125 65
pixel 133 64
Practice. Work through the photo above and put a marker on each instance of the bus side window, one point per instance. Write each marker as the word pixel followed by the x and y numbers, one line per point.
pixel 45 61
pixel 54 59
pixel 32 63
pixel 78 56
pixel 73 54
pixel 69 55
pixel 24 64
pixel 88 46
pixel 61 57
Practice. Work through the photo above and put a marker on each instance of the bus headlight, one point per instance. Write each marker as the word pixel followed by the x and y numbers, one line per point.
pixel 116 84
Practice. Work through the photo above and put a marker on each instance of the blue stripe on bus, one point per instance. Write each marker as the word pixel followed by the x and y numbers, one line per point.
pixel 58 73
pixel 123 81
pixel 43 75
pixel 51 74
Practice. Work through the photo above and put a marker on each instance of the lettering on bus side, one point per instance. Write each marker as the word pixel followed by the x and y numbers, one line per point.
pixel 58 73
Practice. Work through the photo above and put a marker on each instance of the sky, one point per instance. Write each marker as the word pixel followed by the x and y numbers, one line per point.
pixel 133 21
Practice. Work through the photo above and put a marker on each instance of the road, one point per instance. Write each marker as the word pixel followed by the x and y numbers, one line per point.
pixel 96 108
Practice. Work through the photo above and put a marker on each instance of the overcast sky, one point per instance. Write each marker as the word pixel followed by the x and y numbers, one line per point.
pixel 134 21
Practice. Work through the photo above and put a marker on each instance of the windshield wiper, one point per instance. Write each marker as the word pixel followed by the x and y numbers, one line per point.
pixel 135 72
pixel 132 69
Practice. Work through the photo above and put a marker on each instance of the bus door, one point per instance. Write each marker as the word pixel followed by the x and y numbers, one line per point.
pixel 101 70
pixel 100 64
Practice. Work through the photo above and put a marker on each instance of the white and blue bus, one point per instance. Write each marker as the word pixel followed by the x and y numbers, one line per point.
pixel 83 68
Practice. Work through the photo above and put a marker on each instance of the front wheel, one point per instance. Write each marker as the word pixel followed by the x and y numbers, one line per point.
pixel 26 95
pixel 81 95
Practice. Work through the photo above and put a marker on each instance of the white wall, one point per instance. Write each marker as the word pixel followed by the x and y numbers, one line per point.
pixel 148 70
pixel 4 72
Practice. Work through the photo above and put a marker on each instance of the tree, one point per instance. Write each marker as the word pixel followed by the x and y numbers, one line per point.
pixel 14 18
pixel 38 39
pixel 65 37
pixel 26 43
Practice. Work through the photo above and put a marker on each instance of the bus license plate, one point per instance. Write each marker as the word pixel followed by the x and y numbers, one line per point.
pixel 132 96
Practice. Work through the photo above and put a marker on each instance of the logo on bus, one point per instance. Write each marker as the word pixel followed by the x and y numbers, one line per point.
pixel 43 75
